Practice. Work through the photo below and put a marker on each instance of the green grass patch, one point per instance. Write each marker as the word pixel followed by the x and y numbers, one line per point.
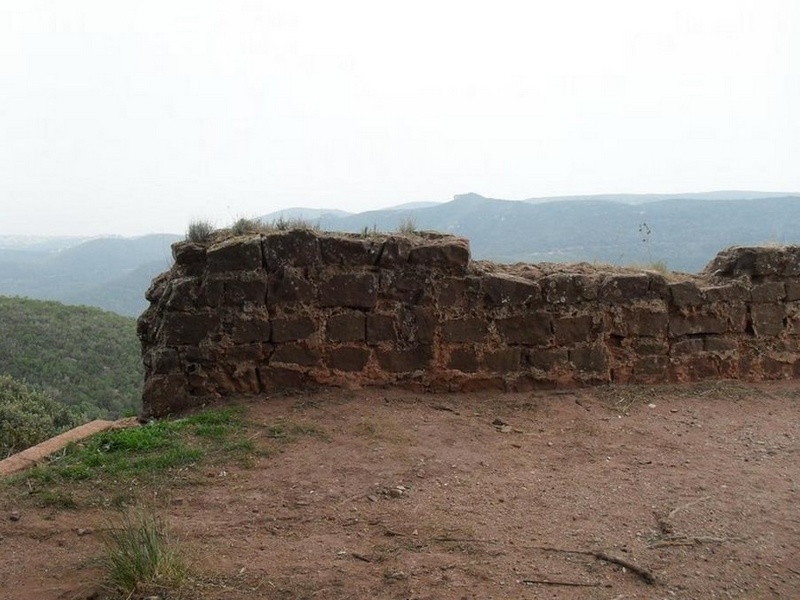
pixel 151 454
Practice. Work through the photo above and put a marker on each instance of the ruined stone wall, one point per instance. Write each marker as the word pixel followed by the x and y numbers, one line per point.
pixel 253 314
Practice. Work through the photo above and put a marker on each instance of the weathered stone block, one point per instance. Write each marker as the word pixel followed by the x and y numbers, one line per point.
pixel 289 287
pixel 249 287
pixel 735 292
pixel 649 345
pixel 624 288
pixel 501 291
pixel 182 293
pixel 186 253
pixel 401 361
pixel 279 378
pixel 457 292
pixel 296 248
pixel 772 291
pixel 161 361
pixel 535 329
pixel 571 330
pixel 297 354
pixel 767 319
pixel 212 290
pixel 448 256
pixel 639 321
pixel 720 345
pixel 246 331
pixel 568 289
pixel 680 325
pixel 348 358
pixel 688 346
pixel 157 287
pixel 463 359
pixel 426 322
pixel 545 358
pixel 347 327
pixel 188 328
pixel 504 360
pixel 348 252
pixel 393 252
pixel 407 288
pixel 686 293
pixel 589 359
pixel 471 329
pixel 792 290
pixel 651 366
pixel 380 328
pixel 350 290
pixel 244 354
pixel 235 254
pixel 288 330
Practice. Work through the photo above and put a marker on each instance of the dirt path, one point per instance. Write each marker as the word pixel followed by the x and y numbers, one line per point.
pixel 612 493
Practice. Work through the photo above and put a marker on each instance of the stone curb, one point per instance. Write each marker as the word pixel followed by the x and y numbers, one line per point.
pixel 29 457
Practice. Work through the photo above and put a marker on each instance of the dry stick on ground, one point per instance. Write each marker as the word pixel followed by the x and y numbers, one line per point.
pixel 564 583
pixel 692 540
pixel 665 523
pixel 643 573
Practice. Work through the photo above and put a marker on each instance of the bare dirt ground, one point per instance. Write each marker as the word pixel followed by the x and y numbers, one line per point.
pixel 606 493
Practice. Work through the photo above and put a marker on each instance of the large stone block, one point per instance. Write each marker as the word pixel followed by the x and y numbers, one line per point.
pixel 292 329
pixel 571 330
pixel 450 255
pixel 247 287
pixel 403 361
pixel 471 329
pixel 534 329
pixel 295 248
pixel 639 321
pixel 680 325
pixel 504 291
pixel 380 328
pixel 629 288
pixel 393 252
pixel 249 330
pixel 189 329
pixel 463 359
pixel 767 319
pixel 189 254
pixel 347 327
pixel 347 358
pixel 408 288
pixel 687 346
pixel 235 254
pixel 771 291
pixel 589 359
pixel 182 293
pixel 288 286
pixel 545 359
pixel 568 288
pixel 349 251
pixel 299 353
pixel 503 360
pixel 686 293
pixel 350 290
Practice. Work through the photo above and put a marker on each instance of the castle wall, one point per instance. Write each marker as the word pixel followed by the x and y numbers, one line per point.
pixel 253 314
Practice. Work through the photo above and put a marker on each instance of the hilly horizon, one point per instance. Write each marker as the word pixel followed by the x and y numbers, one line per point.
pixel 683 231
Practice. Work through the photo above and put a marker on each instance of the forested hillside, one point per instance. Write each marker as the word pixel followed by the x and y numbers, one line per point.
pixel 83 357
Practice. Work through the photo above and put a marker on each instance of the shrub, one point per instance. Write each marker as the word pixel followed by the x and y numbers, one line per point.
pixel 200 231
pixel 28 416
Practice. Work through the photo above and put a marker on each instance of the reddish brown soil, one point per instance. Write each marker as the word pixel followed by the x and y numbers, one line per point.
pixel 696 489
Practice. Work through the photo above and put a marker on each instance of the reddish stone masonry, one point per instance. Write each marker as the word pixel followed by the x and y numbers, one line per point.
pixel 253 314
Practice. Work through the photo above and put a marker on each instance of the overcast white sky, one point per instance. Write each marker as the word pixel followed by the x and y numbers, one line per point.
pixel 130 117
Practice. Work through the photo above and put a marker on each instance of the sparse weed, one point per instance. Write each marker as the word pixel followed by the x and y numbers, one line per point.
pixel 243 226
pixel 200 232
pixel 408 226
pixel 282 224
pixel 139 556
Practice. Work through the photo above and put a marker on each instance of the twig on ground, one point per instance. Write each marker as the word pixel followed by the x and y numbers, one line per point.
pixel 643 573
pixel 564 583
pixel 692 540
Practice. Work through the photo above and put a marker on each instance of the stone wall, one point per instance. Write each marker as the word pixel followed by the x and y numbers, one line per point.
pixel 253 314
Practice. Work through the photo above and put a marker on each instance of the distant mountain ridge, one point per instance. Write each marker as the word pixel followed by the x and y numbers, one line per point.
pixel 683 230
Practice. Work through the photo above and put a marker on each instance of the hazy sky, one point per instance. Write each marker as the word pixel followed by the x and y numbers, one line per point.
pixel 138 116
